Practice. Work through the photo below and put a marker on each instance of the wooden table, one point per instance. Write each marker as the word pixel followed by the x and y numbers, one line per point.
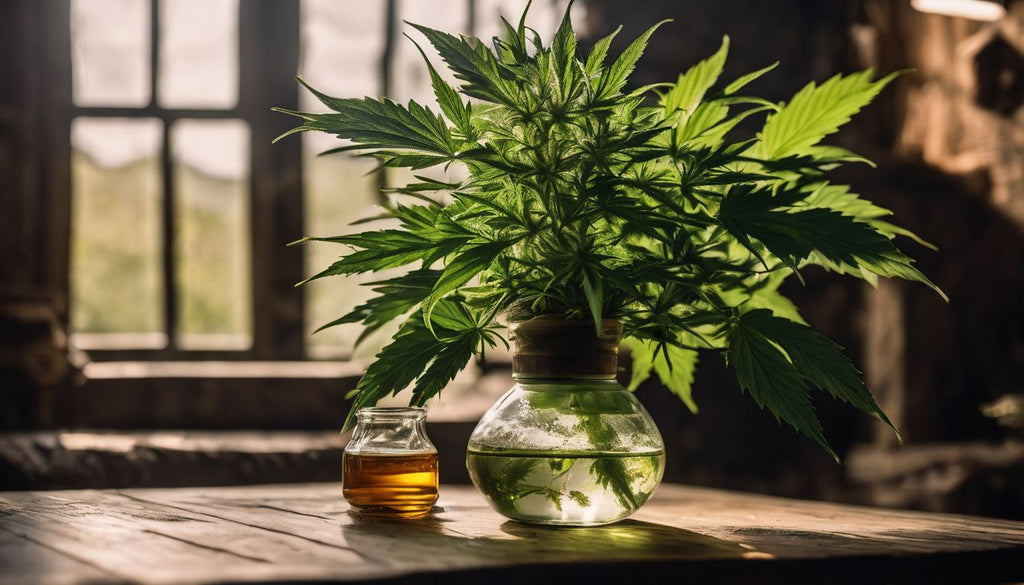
pixel 304 533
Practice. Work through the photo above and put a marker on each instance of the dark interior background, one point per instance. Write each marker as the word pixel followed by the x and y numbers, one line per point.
pixel 948 141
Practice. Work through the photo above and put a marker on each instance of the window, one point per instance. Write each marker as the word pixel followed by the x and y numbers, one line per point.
pixel 181 209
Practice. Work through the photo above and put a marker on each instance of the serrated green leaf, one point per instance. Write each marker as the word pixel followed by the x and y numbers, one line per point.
pixel 674 366
pixel 415 352
pixel 593 288
pixel 395 297
pixel 448 98
pixel 471 61
pixel 691 86
pixel 830 154
pixel 709 125
pixel 841 199
pixel 385 249
pixel 563 45
pixel 775 302
pixel 745 80
pixel 817 111
pixel 611 474
pixel 614 78
pixel 642 354
pixel 580 498
pixel 597 54
pixel 382 124
pixel 397 365
pixel 792 234
pixel 772 381
pixel 469 262
pixel 449 361
pixel 818 360
pixel 895 264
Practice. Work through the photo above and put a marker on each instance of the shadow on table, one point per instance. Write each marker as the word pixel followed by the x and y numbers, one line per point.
pixel 437 542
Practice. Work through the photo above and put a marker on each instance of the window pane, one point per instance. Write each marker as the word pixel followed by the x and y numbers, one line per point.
pixel 338 191
pixel 342 45
pixel 212 242
pixel 409 76
pixel 110 52
pixel 116 283
pixel 198 54
pixel 543 17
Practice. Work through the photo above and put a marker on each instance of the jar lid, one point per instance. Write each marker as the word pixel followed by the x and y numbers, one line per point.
pixel 384 413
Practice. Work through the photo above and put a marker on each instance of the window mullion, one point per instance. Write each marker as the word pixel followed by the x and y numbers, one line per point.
pixel 169 259
pixel 268 62
pixel 387 60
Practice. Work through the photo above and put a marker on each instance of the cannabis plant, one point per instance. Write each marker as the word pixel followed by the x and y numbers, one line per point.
pixel 586 198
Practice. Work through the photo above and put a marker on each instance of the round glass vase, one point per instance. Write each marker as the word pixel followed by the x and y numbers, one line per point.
pixel 567 445
pixel 389 467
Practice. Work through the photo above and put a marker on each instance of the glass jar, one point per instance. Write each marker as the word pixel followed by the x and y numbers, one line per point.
pixel 389 467
pixel 567 445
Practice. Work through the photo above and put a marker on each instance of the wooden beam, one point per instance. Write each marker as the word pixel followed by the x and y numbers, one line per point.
pixel 35 198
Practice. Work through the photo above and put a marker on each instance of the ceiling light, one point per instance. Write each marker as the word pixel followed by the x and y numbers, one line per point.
pixel 985 10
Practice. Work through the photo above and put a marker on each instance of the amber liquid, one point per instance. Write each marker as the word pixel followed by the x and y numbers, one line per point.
pixel 390 485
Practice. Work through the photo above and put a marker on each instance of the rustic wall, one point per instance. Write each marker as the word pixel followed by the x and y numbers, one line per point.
pixel 956 176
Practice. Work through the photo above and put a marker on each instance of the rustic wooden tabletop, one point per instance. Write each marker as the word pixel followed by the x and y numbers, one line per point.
pixel 305 533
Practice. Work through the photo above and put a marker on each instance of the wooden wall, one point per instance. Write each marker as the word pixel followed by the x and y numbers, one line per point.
pixel 953 148
pixel 34 211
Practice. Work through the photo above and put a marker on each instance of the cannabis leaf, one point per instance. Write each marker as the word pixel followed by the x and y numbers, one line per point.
pixel 771 379
pixel 395 297
pixel 818 360
pixel 429 356
pixel 471 62
pixel 817 111
pixel 689 90
pixel 674 365
pixel 611 80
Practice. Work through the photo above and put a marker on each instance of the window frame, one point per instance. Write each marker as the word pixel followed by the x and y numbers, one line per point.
pixel 268 57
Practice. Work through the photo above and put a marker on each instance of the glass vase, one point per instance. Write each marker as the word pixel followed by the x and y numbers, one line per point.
pixel 567 445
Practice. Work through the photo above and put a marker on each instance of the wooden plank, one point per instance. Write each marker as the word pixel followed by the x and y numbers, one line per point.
pixel 137 545
pixel 786 528
pixel 293 532
pixel 24 560
pixel 223 369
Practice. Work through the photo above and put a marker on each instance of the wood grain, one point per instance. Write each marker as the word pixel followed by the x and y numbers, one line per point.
pixel 294 533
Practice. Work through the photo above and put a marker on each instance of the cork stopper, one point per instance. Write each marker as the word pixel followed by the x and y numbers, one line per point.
pixel 552 347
